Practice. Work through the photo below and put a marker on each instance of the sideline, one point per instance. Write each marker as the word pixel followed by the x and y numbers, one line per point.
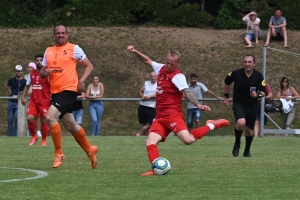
pixel 40 174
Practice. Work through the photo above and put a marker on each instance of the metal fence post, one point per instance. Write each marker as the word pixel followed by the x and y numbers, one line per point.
pixel 22 117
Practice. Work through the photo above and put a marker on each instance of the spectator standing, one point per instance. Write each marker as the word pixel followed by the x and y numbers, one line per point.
pixel 14 86
pixel 95 91
pixel 253 31
pixel 171 83
pixel 38 104
pixel 287 94
pixel 268 97
pixel 59 65
pixel 249 86
pixel 198 89
pixel 78 108
pixel 277 28
pixel 146 110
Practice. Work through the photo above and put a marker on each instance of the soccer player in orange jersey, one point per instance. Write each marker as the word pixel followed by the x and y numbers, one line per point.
pixel 171 83
pixel 59 64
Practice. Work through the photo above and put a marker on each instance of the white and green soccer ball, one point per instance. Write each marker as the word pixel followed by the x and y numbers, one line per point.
pixel 161 166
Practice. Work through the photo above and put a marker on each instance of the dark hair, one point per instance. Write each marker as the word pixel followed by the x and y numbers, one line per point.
pixel 194 76
pixel 284 79
pixel 249 56
pixel 278 9
pixel 38 56
pixel 54 28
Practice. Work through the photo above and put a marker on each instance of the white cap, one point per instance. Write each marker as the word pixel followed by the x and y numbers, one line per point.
pixel 19 68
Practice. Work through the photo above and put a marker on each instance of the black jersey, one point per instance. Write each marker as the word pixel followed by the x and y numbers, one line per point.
pixel 243 84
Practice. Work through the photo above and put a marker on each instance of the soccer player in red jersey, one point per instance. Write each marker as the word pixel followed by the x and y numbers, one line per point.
pixel 171 83
pixel 38 104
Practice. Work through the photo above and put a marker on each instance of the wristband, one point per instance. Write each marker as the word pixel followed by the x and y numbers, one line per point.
pixel 259 95
pixel 226 95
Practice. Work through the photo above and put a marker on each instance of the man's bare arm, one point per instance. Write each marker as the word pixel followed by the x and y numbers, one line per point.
pixel 191 97
pixel 142 57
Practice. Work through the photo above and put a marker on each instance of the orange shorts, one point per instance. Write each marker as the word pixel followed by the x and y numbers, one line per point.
pixel 164 126
pixel 37 111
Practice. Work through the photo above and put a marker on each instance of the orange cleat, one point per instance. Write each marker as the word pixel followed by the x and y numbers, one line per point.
pixel 219 123
pixel 58 160
pixel 44 143
pixel 92 156
pixel 148 173
pixel 33 140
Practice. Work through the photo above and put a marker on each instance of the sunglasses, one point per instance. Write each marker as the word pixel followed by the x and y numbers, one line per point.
pixel 284 81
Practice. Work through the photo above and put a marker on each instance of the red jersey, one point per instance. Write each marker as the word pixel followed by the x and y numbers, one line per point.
pixel 168 96
pixel 40 95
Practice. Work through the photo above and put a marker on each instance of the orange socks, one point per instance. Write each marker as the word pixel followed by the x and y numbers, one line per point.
pixel 153 152
pixel 81 139
pixel 200 132
pixel 32 129
pixel 55 131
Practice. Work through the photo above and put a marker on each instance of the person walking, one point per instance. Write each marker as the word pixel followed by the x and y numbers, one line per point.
pixel 146 110
pixel 38 104
pixel 169 116
pixel 95 90
pixel 14 86
pixel 249 86
pixel 59 65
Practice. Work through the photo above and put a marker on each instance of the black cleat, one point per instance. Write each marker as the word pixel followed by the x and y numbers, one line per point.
pixel 247 154
pixel 236 150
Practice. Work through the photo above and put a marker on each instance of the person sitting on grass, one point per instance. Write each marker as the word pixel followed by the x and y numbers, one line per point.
pixel 253 31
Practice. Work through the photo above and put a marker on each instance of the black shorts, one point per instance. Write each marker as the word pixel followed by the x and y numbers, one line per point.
pixel 146 114
pixel 248 113
pixel 278 37
pixel 64 101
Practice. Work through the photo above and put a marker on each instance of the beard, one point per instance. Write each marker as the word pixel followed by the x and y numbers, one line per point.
pixel 39 66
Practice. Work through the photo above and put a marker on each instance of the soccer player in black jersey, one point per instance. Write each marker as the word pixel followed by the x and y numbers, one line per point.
pixel 249 86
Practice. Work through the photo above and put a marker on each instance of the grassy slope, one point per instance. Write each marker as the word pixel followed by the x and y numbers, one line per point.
pixel 208 52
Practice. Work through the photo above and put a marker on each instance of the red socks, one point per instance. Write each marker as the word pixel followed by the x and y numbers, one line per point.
pixel 32 129
pixel 200 132
pixel 153 152
pixel 44 130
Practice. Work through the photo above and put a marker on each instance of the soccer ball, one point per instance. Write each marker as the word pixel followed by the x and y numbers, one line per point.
pixel 161 166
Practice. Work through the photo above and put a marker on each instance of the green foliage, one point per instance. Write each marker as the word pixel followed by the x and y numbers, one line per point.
pixel 185 15
pixel 230 14
pixel 22 13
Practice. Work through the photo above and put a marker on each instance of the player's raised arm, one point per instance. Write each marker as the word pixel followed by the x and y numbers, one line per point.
pixel 145 59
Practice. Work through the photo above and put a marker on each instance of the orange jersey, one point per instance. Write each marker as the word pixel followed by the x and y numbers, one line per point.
pixel 62 62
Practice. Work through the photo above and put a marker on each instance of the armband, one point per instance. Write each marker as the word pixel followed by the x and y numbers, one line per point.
pixel 226 95
pixel 259 95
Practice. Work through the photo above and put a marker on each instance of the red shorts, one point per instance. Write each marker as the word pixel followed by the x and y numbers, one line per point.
pixel 164 126
pixel 37 111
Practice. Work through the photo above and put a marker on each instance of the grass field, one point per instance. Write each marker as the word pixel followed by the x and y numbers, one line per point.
pixel 204 170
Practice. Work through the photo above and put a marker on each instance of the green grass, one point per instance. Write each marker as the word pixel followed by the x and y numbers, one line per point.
pixel 204 170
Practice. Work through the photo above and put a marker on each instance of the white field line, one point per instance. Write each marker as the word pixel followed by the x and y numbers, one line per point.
pixel 39 174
